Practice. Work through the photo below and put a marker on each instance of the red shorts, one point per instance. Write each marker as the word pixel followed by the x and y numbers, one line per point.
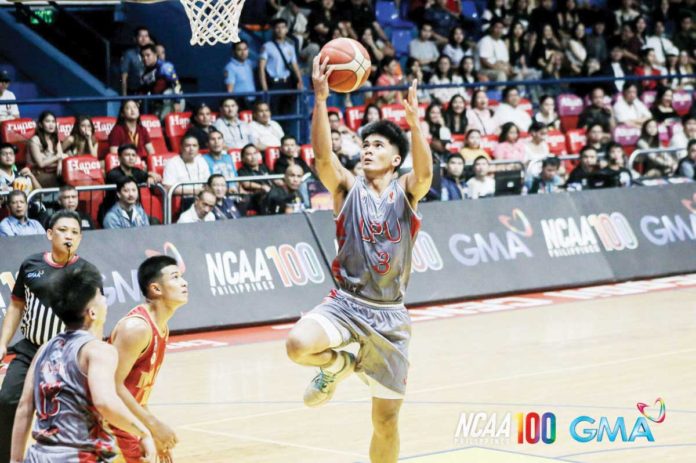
pixel 130 447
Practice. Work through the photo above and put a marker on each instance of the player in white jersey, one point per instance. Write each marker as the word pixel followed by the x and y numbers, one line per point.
pixel 376 227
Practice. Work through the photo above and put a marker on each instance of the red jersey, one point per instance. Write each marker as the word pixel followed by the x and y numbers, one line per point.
pixel 141 379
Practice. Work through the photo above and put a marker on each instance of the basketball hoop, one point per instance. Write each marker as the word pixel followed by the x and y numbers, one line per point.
pixel 213 21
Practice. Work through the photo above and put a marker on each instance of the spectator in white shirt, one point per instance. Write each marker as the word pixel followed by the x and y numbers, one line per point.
pixel 188 167
pixel 682 138
pixel 7 111
pixel 536 149
pixel 628 109
pixel 423 48
pixel 481 184
pixel 234 131
pixel 201 210
pixel 510 111
pixel 444 75
pixel 493 54
pixel 457 47
pixel 264 131
pixel 662 45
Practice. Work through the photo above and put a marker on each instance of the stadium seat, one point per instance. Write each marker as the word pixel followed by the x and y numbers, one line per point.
pixel 354 117
pixel 111 161
pixel 569 108
pixel 397 114
pixel 102 129
pixel 648 97
pixel 386 13
pixel 496 95
pixel 626 136
pixel 401 38
pixel 488 143
pixel 246 115
pixel 526 105
pixel 663 134
pixel 175 126
pixel 156 162
pixel 575 140
pixel 457 142
pixel 18 132
pixel 492 104
pixel 557 142
pixel 154 128
pixel 271 155
pixel 307 154
pixel 469 11
pixel 236 155
pixel 82 170
pixel 152 203
pixel 682 102
pixel 65 126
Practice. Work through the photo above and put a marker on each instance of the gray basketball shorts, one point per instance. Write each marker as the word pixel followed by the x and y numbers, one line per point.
pixel 383 332
pixel 37 453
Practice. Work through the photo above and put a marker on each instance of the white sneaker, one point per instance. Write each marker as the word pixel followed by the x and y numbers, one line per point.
pixel 323 386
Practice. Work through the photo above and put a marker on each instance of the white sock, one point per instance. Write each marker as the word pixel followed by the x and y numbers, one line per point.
pixel 338 364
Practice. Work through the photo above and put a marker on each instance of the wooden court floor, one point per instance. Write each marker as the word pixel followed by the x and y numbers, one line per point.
pixel 597 358
pixel 242 403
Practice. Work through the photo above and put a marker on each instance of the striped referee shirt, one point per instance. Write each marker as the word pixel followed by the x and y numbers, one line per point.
pixel 39 323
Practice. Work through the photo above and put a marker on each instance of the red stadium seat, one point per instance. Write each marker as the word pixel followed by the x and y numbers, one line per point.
pixel 682 102
pixel 156 162
pixel 18 132
pixel 307 153
pixel 663 134
pixel 457 143
pixel 152 203
pixel 557 142
pixel 246 115
pixel 271 156
pixel 488 143
pixel 82 170
pixel 397 114
pixel 354 117
pixel 65 126
pixel 111 161
pixel 493 103
pixel 526 105
pixel 175 126
pixel 102 128
pixel 236 157
pixel 575 140
pixel 626 136
pixel 569 108
pixel 154 129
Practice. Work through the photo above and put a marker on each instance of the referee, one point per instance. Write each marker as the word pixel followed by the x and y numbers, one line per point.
pixel 29 306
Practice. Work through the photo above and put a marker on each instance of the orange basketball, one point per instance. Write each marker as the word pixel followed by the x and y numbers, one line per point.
pixel 351 64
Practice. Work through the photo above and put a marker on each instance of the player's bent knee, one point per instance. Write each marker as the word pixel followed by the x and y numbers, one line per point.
pixel 295 347
pixel 385 419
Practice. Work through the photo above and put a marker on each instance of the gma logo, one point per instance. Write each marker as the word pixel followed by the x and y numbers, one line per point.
pixel 583 429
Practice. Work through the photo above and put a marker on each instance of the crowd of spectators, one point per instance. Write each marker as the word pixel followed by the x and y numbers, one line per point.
pixel 513 40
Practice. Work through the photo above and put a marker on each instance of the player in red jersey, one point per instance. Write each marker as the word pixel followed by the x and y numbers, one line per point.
pixel 140 339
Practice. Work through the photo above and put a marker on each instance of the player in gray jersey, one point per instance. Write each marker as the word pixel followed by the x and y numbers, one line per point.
pixel 70 385
pixel 376 227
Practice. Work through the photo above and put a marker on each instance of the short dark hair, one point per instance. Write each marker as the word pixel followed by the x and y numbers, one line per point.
pixel 64 214
pixel 140 28
pixel 241 41
pixel 123 182
pixel 151 270
pixel 628 85
pixel 277 21
pixel 690 144
pixel 65 188
pixel 551 162
pixel 391 132
pixel 127 146
pixel 287 137
pixel 478 158
pixel 455 156
pixel 14 193
pixel 334 113
pixel 224 100
pixel 536 126
pixel 585 149
pixel 258 103
pixel 246 147
pixel 213 177
pixel 186 136
pixel 214 130
pixel 8 145
pixel 72 289
pixel 688 117
pixel 508 89
pixel 149 46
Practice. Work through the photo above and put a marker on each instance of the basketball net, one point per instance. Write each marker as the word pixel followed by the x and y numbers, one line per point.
pixel 213 21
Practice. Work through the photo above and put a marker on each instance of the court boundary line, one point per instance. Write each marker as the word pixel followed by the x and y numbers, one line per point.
pixel 456 449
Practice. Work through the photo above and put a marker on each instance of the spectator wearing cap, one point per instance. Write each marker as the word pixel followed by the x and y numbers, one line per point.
pixel 628 109
pixel 661 44
pixel 442 19
pixel 69 200
pixel 597 112
pixel 687 166
pixel 127 212
pixel 239 73
pixel 18 223
pixel 493 54
pixel 189 166
pixel 278 69
pixel 132 67
pixel 7 110
pixel 452 183
pixel 201 210
pixel 235 132
pixel 510 111
pixel 225 206
pixel 423 47
pixel 264 131
pixel 219 162
pixel 129 130
pixel 481 184
pixel 10 177
pixel 548 180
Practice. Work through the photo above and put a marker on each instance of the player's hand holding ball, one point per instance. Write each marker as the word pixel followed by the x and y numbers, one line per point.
pixel 344 63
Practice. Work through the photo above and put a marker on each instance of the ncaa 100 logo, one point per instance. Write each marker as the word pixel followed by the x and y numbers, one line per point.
pixel 494 428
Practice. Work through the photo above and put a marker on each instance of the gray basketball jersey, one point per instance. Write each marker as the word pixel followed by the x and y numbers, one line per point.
pixel 375 240
pixel 65 415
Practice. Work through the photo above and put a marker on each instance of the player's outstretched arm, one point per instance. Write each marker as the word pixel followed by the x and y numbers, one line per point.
pixel 332 174
pixel 10 324
pixel 102 360
pixel 130 338
pixel 417 182
pixel 23 416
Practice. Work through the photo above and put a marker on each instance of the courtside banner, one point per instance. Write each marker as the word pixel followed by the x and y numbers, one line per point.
pixel 523 243
pixel 239 271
